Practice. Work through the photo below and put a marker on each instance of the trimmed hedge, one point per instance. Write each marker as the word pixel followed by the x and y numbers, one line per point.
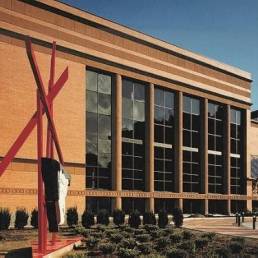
pixel 5 218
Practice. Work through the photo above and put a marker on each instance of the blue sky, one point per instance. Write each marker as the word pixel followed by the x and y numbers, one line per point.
pixel 226 30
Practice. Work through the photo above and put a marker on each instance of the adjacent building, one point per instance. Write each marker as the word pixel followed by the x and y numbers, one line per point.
pixel 143 124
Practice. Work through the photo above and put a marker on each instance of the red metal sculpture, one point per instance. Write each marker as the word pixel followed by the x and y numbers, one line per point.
pixel 44 105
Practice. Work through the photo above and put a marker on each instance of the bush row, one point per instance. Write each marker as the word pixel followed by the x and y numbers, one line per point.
pixel 21 218
pixel 134 219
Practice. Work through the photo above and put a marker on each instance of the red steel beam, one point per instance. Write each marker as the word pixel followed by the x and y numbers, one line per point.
pixel 43 98
pixel 31 124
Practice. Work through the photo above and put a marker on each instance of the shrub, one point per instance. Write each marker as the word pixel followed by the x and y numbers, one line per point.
pixel 128 243
pixel 127 253
pixel 129 229
pixel 103 217
pixel 5 218
pixel 111 231
pixel 240 240
pixel 201 242
pixel 235 247
pixel 209 235
pixel 176 237
pixel 187 245
pixel 149 218
pixel 92 242
pixel 87 219
pixel 187 235
pixel 145 248
pixel 118 217
pixel 143 238
pixel 150 227
pixel 139 231
pixel 21 218
pixel 223 252
pixel 34 218
pixel 163 219
pixel 134 219
pixel 116 238
pixel 162 243
pixel 72 216
pixel 96 234
pixel 80 230
pixel 156 234
pixel 178 217
pixel 106 248
pixel 176 253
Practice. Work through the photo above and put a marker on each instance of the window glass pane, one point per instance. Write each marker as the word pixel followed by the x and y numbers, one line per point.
pixel 127 108
pixel 169 117
pixel 127 148
pixel 195 106
pixel 169 99
pixel 104 104
pixel 104 146
pixel 127 128
pixel 104 160
pixel 159 115
pixel 139 111
pixel 91 123
pixel 233 116
pixel 187 104
pixel 159 97
pixel 104 127
pixel 211 110
pixel 139 91
pixel 91 101
pixel 159 133
pixel 92 80
pixel 127 89
pixel 139 130
pixel 104 84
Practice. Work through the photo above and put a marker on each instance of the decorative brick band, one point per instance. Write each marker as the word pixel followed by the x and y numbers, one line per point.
pixel 133 194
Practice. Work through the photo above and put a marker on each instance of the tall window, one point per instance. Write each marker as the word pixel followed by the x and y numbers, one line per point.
pixel 191 144
pixel 215 147
pixel 133 135
pixel 98 130
pixel 163 140
pixel 235 156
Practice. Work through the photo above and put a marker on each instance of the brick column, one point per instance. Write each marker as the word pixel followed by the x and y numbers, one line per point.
pixel 150 145
pixel 227 184
pixel 117 140
pixel 204 153
pixel 179 146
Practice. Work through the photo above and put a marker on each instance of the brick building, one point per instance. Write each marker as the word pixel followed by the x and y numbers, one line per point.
pixel 143 124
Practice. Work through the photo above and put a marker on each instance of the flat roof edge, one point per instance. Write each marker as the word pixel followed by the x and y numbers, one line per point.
pixel 147 38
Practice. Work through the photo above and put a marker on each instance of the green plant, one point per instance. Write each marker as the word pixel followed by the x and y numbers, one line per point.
pixel 72 216
pixel 187 235
pixel 162 243
pixel 223 252
pixel 128 243
pixel 92 242
pixel 149 218
pixel 240 240
pixel 209 235
pixel 188 245
pixel 127 253
pixel 87 219
pixel 110 231
pixel 178 217
pixel 5 218
pixel 150 227
pixel 235 247
pixel 134 219
pixel 156 234
pixel 176 253
pixel 145 248
pixel 80 230
pixel 118 217
pixel 176 237
pixel 201 242
pixel 163 219
pixel 103 217
pixel 139 231
pixel 106 248
pixel 116 238
pixel 97 234
pixel 34 218
pixel 143 238
pixel 21 218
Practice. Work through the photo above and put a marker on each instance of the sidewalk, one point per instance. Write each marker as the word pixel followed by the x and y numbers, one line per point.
pixel 225 226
